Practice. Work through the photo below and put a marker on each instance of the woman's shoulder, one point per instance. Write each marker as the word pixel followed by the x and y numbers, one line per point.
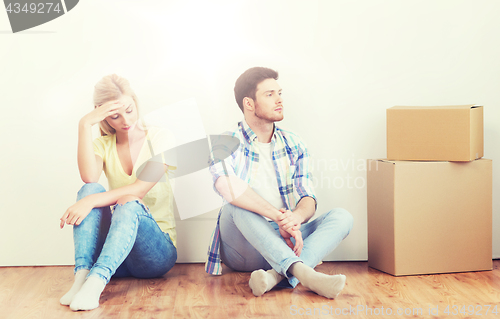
pixel 105 141
pixel 105 138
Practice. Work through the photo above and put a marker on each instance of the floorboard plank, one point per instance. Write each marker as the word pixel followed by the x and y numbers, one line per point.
pixel 188 292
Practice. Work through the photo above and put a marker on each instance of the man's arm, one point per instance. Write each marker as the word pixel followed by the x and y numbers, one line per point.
pixel 238 193
pixel 304 210
pixel 232 188
pixel 303 184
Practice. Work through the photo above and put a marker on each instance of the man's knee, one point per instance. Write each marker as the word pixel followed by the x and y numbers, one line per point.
pixel 128 198
pixel 344 216
pixel 232 210
pixel 229 211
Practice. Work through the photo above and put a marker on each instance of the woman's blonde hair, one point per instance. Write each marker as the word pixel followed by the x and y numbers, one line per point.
pixel 112 87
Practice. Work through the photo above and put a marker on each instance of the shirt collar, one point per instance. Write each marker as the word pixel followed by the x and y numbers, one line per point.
pixel 250 135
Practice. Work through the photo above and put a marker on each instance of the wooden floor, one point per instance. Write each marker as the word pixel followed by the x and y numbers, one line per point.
pixel 188 292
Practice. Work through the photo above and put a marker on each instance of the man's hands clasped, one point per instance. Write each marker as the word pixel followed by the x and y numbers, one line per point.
pixel 289 226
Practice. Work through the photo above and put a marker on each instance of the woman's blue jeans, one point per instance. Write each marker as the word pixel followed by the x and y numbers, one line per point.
pixel 250 242
pixel 127 242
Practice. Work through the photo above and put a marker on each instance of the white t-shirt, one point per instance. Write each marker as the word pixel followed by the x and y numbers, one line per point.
pixel 266 183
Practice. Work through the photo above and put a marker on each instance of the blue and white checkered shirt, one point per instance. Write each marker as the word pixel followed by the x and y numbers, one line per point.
pixel 291 163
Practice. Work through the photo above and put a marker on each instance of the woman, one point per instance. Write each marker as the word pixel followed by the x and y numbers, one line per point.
pixel 130 229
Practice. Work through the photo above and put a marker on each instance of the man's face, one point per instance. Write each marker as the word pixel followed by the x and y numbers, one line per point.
pixel 268 101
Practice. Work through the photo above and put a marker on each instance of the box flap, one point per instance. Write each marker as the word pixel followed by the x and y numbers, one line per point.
pixel 383 160
pixel 409 162
pixel 467 106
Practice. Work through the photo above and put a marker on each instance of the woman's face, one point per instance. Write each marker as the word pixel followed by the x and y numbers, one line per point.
pixel 125 119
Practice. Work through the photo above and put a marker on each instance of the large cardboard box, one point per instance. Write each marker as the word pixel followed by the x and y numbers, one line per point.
pixel 437 133
pixel 429 217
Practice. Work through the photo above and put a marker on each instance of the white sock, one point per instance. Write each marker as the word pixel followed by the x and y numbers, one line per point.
pixel 80 276
pixel 328 286
pixel 262 281
pixel 88 297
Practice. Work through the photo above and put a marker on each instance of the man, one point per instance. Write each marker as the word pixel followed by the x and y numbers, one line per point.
pixel 267 188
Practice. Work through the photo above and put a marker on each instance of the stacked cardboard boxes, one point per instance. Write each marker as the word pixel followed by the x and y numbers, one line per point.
pixel 430 202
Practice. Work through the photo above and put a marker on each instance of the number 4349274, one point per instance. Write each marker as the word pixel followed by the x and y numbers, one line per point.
pixel 33 7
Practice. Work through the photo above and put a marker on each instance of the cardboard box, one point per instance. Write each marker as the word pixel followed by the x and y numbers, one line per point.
pixel 429 217
pixel 437 133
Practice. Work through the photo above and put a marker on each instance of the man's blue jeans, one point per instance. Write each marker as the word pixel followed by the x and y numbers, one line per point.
pixel 250 242
pixel 127 242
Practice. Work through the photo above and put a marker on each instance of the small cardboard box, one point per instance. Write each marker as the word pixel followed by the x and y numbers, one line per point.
pixel 429 217
pixel 435 133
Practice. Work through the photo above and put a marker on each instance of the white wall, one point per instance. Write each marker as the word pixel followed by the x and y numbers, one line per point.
pixel 341 64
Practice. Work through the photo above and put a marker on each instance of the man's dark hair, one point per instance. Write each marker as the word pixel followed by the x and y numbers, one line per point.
pixel 246 84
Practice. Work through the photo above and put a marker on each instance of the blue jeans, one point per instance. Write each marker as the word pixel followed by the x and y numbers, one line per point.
pixel 126 243
pixel 250 242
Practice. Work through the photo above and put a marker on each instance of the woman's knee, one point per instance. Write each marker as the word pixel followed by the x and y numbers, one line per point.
pixel 89 189
pixel 128 198
pixel 128 207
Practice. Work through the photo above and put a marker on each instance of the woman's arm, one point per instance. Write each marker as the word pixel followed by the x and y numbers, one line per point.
pixel 75 214
pixel 89 164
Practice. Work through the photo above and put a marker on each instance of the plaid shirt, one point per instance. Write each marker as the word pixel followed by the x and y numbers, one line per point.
pixel 291 163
